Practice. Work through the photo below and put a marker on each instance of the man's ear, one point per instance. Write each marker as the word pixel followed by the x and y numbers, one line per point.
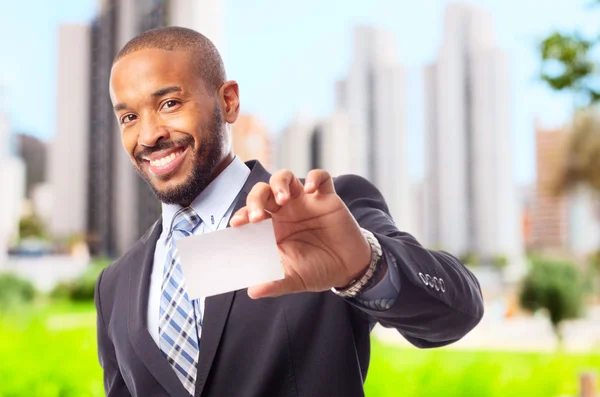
pixel 229 94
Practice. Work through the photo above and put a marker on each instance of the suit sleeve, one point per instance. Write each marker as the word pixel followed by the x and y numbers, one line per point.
pixel 439 300
pixel 114 384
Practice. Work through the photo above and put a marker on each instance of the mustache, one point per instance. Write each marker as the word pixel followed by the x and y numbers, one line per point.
pixel 163 145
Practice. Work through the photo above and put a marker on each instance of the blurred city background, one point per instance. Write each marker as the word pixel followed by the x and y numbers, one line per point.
pixel 478 121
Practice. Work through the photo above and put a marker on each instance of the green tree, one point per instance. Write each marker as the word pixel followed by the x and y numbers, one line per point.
pixel 555 287
pixel 567 66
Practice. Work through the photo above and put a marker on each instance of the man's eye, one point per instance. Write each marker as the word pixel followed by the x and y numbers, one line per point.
pixel 170 104
pixel 128 118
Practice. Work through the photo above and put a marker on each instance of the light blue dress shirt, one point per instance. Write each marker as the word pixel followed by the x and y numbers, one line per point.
pixel 215 206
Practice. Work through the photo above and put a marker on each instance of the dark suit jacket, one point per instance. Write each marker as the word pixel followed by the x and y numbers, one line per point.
pixel 307 344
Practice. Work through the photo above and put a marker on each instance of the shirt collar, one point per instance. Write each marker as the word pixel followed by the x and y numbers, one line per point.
pixel 214 201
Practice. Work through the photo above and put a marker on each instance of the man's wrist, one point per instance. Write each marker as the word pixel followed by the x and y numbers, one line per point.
pixel 367 276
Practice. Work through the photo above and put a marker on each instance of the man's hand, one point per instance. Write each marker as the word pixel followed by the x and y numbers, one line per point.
pixel 318 239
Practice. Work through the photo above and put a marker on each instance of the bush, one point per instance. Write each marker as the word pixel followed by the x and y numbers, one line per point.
pixel 470 259
pixel 81 289
pixel 14 291
pixel 499 262
pixel 32 227
pixel 557 288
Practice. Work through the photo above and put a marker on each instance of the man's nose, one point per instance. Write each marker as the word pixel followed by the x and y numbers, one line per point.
pixel 152 131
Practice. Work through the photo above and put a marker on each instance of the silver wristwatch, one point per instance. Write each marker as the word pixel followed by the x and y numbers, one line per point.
pixel 356 286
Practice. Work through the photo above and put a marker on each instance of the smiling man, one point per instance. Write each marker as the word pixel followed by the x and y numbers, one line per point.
pixel 346 264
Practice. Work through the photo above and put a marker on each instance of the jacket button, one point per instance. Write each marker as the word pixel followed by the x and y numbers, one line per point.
pixel 428 278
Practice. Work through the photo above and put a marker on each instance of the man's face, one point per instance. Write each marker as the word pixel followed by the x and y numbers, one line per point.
pixel 171 126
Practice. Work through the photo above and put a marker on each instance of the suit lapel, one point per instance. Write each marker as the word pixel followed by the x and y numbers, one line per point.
pixel 216 308
pixel 142 342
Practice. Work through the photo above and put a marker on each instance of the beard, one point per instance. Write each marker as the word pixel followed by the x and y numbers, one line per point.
pixel 204 161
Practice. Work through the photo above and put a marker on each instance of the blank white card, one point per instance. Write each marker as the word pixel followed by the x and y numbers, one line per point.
pixel 230 259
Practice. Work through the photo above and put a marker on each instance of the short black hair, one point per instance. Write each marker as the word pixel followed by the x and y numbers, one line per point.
pixel 209 64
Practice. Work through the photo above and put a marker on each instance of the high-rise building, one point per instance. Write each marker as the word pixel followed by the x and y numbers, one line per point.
pixel 12 178
pixel 5 130
pixel 366 134
pixel 68 151
pixel 102 134
pixel 307 144
pixel 373 96
pixel 251 140
pixel 471 192
pixel 33 152
pixel 294 145
pixel 550 210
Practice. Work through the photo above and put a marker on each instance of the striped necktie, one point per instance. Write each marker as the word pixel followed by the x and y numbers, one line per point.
pixel 177 327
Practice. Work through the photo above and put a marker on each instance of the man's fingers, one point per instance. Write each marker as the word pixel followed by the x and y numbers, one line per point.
pixel 260 199
pixel 319 180
pixel 285 186
pixel 240 217
pixel 275 288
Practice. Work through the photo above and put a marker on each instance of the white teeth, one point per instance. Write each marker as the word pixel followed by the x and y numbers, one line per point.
pixel 165 160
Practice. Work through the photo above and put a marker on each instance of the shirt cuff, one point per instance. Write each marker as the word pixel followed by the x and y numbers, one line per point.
pixel 382 295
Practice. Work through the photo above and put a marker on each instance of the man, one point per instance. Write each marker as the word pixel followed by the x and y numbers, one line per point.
pixel 346 264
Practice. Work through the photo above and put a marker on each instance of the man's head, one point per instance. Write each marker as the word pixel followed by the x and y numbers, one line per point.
pixel 172 102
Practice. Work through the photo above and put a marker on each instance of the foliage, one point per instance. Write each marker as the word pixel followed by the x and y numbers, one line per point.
pixel 500 262
pixel 555 287
pixel 81 289
pixel 469 258
pixel 567 65
pixel 14 291
pixel 444 372
pixel 31 226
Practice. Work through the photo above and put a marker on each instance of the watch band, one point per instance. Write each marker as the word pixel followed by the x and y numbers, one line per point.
pixel 356 286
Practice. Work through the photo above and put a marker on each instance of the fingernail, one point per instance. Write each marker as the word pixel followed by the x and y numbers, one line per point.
pixel 280 196
pixel 254 214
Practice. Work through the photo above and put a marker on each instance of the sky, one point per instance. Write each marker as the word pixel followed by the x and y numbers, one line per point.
pixel 287 55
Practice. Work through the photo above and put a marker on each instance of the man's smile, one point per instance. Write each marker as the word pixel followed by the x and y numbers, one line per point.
pixel 165 162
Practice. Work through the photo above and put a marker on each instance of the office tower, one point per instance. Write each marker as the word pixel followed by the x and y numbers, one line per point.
pixel 251 140
pixel 373 97
pixel 471 193
pixel 68 151
pixel 294 145
pixel 323 143
pixel 12 178
pixel 33 152
pixel 550 210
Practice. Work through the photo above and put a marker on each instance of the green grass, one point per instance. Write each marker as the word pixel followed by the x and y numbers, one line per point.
pixel 50 351
pixel 451 373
